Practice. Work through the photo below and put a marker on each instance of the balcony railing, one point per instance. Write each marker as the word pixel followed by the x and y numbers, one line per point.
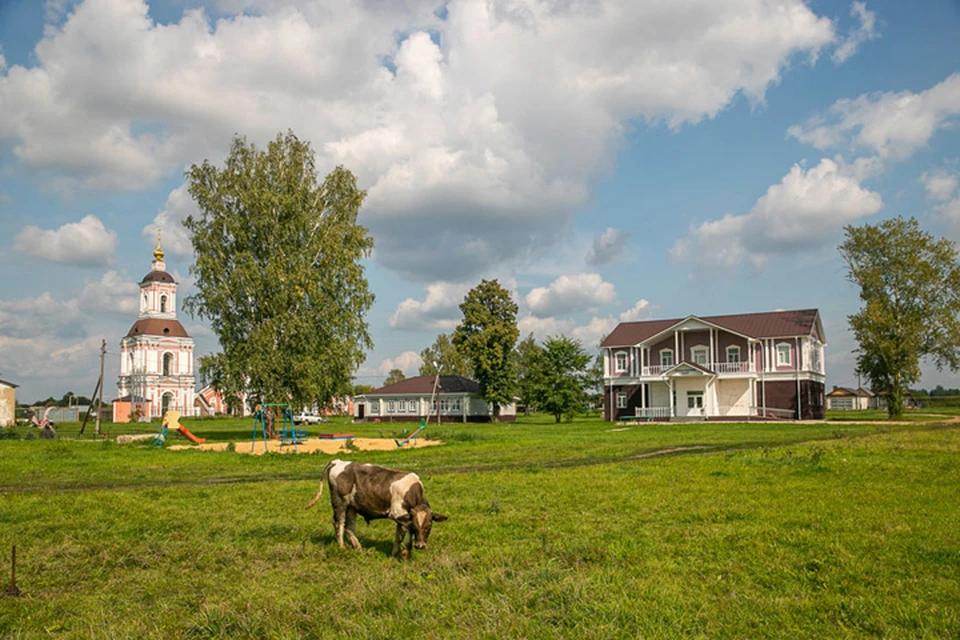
pixel 718 367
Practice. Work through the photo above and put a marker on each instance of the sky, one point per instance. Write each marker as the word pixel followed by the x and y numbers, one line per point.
pixel 606 161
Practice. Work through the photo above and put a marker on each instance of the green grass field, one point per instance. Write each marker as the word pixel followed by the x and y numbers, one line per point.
pixel 812 530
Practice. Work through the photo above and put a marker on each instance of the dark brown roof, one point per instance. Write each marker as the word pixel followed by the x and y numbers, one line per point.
pixel 157 327
pixel 772 324
pixel 9 384
pixel 158 276
pixel 424 385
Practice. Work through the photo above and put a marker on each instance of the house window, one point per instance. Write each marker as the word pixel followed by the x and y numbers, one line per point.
pixel 621 361
pixel 445 405
pixel 621 400
pixel 815 356
pixel 694 399
pixel 411 406
pixel 390 406
pixel 666 357
pixel 733 354
pixel 455 405
pixel 374 408
pixel 700 355
pixel 783 355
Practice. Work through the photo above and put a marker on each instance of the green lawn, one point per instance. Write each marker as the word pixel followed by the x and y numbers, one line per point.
pixel 749 531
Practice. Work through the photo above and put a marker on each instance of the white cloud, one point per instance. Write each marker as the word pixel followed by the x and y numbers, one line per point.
pixel 482 146
pixel 544 327
pixel 607 246
pixel 863 32
pixel 114 293
pixel 570 293
pixel 892 125
pixel 594 331
pixel 439 310
pixel 174 236
pixel 637 312
pixel 940 185
pixel 409 362
pixel 798 214
pixel 40 315
pixel 84 243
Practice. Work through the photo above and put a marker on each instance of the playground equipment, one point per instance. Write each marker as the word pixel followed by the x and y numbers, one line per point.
pixel 289 434
pixel 412 438
pixel 171 419
pixel 45 425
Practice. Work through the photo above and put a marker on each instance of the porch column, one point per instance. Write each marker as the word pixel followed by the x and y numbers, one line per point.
pixel 713 351
pixel 673 408
pixel 677 356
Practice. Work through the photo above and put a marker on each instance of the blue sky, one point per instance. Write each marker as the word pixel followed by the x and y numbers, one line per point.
pixel 605 160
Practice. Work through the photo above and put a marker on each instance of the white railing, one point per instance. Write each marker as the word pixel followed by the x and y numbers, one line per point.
pixel 653 412
pixel 718 367
pixel 656 370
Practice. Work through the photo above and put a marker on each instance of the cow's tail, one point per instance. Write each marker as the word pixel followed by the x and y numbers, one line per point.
pixel 323 480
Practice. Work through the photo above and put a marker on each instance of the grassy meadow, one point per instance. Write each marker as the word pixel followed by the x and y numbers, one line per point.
pixel 833 529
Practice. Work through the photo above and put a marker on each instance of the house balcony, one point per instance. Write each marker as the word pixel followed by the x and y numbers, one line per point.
pixel 722 368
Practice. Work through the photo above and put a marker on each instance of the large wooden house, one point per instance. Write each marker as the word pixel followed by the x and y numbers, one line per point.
pixel 767 365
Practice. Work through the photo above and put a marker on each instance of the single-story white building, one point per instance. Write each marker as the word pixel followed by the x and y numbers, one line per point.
pixel 409 401
pixel 847 399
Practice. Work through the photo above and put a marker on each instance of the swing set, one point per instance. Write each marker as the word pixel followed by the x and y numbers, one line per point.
pixel 412 438
pixel 263 419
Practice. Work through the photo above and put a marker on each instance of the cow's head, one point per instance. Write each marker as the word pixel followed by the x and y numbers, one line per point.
pixel 419 521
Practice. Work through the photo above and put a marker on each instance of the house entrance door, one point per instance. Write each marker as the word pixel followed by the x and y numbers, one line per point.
pixel 694 403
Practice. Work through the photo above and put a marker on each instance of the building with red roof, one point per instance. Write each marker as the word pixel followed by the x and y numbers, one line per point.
pixel 768 365
pixel 457 399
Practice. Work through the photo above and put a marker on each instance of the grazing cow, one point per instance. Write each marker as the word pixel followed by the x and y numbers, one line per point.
pixel 376 492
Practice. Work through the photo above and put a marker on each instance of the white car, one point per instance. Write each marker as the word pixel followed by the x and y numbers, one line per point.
pixel 308 418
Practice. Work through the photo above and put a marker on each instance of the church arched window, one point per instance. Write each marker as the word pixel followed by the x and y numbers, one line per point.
pixel 167 364
pixel 163 304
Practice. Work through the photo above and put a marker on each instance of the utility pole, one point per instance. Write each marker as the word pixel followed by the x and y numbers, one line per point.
pixel 103 354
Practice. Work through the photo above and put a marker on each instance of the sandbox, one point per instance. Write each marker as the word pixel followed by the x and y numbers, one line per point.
pixel 312 445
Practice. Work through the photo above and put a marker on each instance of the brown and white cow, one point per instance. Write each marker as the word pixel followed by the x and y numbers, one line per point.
pixel 376 492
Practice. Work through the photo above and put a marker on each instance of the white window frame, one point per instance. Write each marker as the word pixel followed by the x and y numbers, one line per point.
pixel 455 405
pixel 691 395
pixel 781 348
pixel 621 400
pixel 391 406
pixel 616 361
pixel 667 364
pixel 731 350
pixel 374 408
pixel 700 350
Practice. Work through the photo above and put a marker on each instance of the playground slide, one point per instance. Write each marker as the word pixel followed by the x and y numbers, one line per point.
pixel 189 436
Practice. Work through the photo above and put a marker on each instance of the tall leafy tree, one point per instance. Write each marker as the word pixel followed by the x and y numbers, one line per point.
pixel 395 376
pixel 444 357
pixel 594 380
pixel 528 372
pixel 910 288
pixel 562 367
pixel 278 272
pixel 486 336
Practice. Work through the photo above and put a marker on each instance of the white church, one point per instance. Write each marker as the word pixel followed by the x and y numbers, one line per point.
pixel 156 355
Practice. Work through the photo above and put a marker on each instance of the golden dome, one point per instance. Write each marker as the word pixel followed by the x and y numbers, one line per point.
pixel 158 252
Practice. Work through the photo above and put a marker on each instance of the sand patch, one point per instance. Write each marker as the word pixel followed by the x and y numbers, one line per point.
pixel 313 445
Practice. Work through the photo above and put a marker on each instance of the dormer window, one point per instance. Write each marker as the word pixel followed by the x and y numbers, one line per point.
pixel 620 361
pixel 666 357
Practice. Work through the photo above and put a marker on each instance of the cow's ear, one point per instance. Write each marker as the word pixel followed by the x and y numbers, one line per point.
pixel 438 517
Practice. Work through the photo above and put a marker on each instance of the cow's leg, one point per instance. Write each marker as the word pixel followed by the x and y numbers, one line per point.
pixel 351 522
pixel 339 521
pixel 408 547
pixel 398 540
